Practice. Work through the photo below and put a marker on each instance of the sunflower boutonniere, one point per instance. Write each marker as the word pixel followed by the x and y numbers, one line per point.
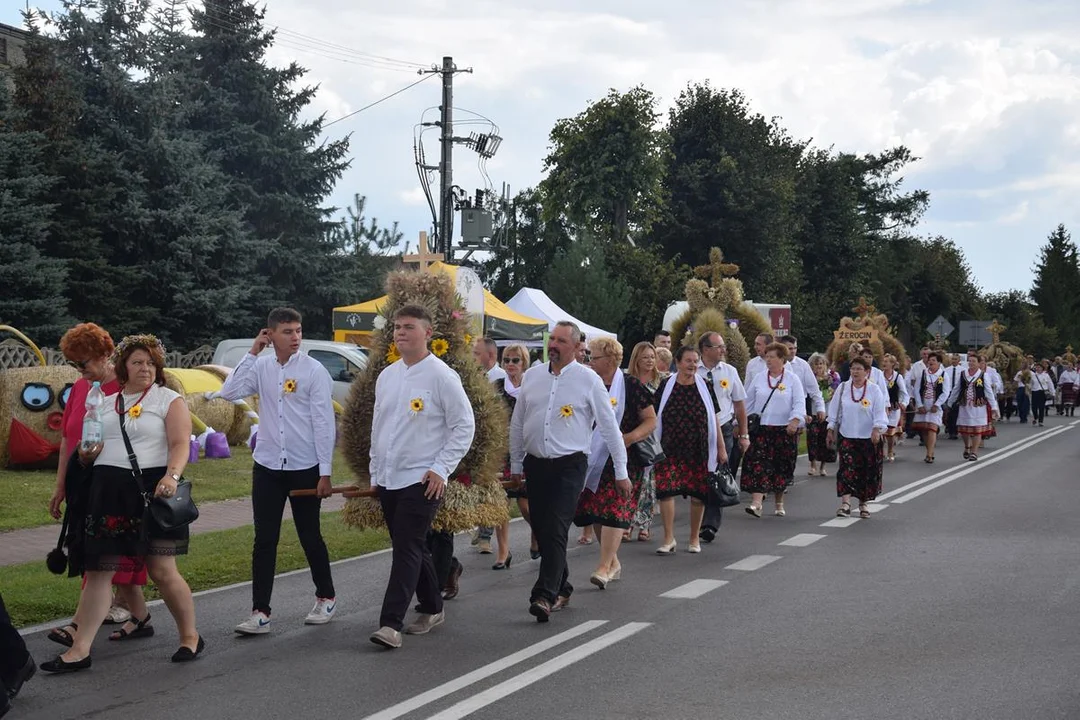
pixel 416 406
pixel 289 386
pixel 614 403
pixel 781 387
pixel 134 412
pixel 865 403
pixel 724 384
pixel 566 412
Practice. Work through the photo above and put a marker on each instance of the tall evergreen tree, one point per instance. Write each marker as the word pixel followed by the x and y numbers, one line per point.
pixel 281 171
pixel 31 282
pixel 580 282
pixel 1057 278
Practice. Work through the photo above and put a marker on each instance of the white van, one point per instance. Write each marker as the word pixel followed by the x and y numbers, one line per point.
pixel 343 361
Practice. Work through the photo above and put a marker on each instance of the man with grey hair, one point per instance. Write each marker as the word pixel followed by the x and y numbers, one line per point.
pixel 550 436
pixel 486 354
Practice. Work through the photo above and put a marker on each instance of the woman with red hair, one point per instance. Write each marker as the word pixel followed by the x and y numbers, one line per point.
pixel 87 348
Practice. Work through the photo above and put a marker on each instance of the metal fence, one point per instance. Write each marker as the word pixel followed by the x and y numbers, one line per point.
pixel 14 354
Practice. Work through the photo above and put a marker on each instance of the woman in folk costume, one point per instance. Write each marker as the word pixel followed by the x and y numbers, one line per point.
pixel 604 504
pixel 776 397
pixel 1070 387
pixel 994 387
pixel 897 393
pixel 817 446
pixel 693 446
pixel 930 388
pixel 857 422
pixel 972 395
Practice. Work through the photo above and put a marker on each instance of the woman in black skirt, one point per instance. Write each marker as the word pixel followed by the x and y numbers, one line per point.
pixel 858 419
pixel 515 360
pixel 818 450
pixel 777 398
pixel 158 425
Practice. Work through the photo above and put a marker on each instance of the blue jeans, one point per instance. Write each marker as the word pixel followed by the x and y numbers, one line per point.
pixel 1023 404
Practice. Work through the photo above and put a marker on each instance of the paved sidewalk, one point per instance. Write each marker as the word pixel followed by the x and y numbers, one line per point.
pixel 23 546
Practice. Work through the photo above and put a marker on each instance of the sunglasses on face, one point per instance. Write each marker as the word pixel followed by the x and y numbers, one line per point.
pixel 78 364
pixel 512 360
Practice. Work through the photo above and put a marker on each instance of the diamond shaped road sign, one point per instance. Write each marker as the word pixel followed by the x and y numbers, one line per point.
pixel 940 326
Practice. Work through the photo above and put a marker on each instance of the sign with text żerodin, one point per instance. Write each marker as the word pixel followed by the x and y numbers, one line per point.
pixel 852 335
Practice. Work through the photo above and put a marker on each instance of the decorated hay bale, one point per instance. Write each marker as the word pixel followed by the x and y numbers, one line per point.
pixel 233 419
pixel 869 329
pixel 31 412
pixel 1006 357
pixel 474 495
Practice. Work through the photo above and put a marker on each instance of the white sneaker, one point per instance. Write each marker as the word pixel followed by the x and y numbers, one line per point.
pixel 257 624
pixel 322 612
pixel 117 616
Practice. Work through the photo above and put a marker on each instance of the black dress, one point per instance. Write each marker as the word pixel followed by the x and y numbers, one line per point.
pixel 511 402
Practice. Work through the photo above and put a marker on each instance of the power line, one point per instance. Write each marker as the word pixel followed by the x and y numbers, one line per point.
pixel 380 100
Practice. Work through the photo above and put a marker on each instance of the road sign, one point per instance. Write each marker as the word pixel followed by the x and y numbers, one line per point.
pixel 975 333
pixel 940 327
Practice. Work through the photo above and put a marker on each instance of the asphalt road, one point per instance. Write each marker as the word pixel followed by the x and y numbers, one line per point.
pixel 959 598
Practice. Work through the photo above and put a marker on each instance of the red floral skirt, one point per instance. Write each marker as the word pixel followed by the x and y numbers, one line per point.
pixel 607 506
pixel 676 476
pixel 769 464
pixel 817 447
pixel 861 463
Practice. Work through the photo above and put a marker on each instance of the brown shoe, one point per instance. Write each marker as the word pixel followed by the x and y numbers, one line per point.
pixel 540 609
pixel 560 602
pixel 452 585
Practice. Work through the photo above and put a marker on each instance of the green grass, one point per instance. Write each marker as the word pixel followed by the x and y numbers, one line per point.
pixel 34 595
pixel 24 494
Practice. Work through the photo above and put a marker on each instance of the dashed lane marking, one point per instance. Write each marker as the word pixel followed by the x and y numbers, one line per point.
pixel 694 589
pixel 753 562
pixel 802 540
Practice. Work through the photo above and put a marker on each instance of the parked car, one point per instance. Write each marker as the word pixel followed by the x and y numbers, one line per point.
pixel 343 361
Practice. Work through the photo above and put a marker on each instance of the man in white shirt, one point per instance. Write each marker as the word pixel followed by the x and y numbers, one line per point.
pixel 757 363
pixel 729 404
pixel 815 402
pixel 294 451
pixel 952 412
pixel 917 369
pixel 421 428
pixel 486 353
pixel 874 375
pixel 550 437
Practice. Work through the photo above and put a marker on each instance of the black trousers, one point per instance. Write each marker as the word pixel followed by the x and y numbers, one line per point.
pixel 441 547
pixel 13 653
pixel 1038 405
pixel 714 515
pixel 269 493
pixel 408 516
pixel 554 487
pixel 952 415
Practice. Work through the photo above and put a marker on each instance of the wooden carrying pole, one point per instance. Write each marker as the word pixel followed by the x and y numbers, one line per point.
pixel 351 491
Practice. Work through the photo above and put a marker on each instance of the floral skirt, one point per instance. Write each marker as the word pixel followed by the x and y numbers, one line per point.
pixel 115 537
pixel 607 506
pixel 676 476
pixel 523 492
pixel 817 448
pixel 769 464
pixel 861 463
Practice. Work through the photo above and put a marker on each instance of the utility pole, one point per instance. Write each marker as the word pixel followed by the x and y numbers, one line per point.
pixel 445 231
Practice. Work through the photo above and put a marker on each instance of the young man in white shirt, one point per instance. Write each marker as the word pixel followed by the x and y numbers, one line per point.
pixel 729 403
pixel 952 412
pixel 757 363
pixel 486 354
pixel 550 437
pixel 421 428
pixel 294 451
pixel 815 402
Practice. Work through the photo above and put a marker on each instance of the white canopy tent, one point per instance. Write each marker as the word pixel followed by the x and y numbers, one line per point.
pixel 535 303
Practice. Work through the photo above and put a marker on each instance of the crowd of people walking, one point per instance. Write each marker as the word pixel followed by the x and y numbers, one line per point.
pixel 591 444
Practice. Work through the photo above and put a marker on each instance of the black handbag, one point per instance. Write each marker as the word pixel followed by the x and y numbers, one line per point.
pixel 753 420
pixel 647 452
pixel 170 513
pixel 723 490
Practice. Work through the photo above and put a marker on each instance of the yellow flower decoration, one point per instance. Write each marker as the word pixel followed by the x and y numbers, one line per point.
pixel 290 386
pixel 567 411
pixel 781 387
pixel 392 355
pixel 439 347
pixel 978 383
pixel 941 380
pixel 468 339
pixel 865 403
pixel 614 403
pixel 416 405
pixel 135 411
pixel 724 384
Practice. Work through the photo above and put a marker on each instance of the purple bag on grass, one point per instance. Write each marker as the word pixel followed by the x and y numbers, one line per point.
pixel 193 451
pixel 217 446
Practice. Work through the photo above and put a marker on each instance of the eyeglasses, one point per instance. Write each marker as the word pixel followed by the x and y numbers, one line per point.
pixel 706 345
pixel 511 360
pixel 78 364
pixel 601 357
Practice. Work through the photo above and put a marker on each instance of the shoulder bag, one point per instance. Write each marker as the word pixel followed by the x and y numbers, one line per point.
pixel 723 489
pixel 648 451
pixel 753 420
pixel 170 513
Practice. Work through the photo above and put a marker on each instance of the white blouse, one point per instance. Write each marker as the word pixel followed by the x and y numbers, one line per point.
pixel 147 431
pixel 903 393
pixel 922 386
pixel 1042 381
pixel 1069 377
pixel 860 410
pixel 788 401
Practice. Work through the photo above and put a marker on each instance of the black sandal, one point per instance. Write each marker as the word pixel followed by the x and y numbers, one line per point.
pixel 61 635
pixel 140 631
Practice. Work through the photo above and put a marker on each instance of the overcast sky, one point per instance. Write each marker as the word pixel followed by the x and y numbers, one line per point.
pixel 985 92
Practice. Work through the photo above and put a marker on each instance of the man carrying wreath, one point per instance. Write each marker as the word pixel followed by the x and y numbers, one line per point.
pixel 421 428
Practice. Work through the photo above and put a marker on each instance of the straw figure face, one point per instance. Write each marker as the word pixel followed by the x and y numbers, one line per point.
pixel 32 404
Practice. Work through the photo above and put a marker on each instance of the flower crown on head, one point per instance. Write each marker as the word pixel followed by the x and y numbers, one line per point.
pixel 145 340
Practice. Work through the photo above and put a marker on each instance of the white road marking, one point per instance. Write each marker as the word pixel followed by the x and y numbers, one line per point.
pixel 448 688
pixel 840 522
pixel 522 680
pixel 753 562
pixel 876 507
pixel 973 467
pixel 802 540
pixel 694 589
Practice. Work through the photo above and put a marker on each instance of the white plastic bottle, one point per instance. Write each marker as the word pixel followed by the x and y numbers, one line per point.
pixel 91 426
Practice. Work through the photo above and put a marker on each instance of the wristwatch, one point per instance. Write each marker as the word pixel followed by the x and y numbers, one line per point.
pixel 175 477
pixel 744 437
